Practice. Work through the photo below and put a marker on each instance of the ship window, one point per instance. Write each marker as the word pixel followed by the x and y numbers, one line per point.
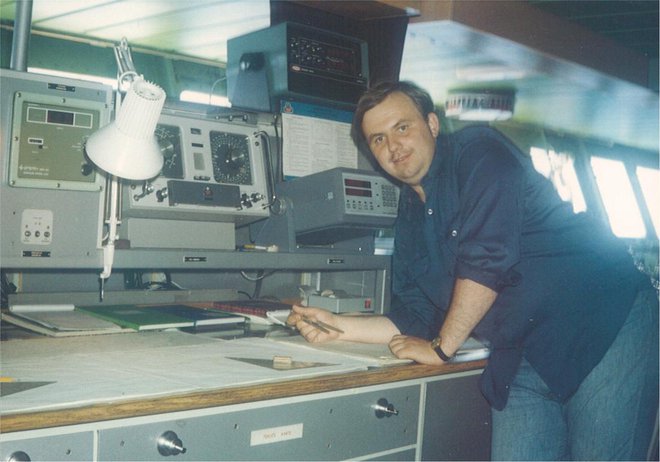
pixel 75 75
pixel 558 168
pixel 192 96
pixel 649 181
pixel 618 198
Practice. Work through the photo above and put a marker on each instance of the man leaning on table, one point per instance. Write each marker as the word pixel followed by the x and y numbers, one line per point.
pixel 484 244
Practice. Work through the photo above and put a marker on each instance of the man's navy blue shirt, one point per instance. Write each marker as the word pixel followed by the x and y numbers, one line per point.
pixel 565 284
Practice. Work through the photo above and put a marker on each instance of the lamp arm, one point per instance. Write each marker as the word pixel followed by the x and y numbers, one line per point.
pixel 108 260
pixel 112 222
pixel 126 71
pixel 126 148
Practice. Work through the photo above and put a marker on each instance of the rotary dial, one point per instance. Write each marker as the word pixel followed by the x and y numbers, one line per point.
pixel 169 140
pixel 230 154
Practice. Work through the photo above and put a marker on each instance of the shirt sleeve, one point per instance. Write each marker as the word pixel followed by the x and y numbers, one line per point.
pixel 411 311
pixel 488 227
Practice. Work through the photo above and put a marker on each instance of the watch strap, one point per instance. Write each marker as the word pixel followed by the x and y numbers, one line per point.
pixel 435 344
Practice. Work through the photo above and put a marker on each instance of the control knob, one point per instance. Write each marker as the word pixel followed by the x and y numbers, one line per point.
pixel 169 444
pixel 384 409
pixel 162 194
pixel 18 456
pixel 245 201
pixel 147 188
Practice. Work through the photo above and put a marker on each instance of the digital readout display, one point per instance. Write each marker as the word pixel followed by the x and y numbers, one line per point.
pixel 342 60
pixel 358 192
pixel 357 183
pixel 60 117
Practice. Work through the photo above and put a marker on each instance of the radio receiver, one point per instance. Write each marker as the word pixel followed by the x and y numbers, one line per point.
pixel 214 178
pixel 297 62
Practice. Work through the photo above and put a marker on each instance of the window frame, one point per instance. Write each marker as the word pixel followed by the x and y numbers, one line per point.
pixel 631 159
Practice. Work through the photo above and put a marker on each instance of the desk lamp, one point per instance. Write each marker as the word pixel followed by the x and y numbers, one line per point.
pixel 126 148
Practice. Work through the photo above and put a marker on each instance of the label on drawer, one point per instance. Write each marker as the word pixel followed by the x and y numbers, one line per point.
pixel 276 434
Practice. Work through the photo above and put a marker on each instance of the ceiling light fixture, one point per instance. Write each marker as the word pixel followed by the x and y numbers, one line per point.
pixel 491 73
pixel 480 105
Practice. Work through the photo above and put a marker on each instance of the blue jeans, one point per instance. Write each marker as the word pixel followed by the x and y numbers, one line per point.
pixel 611 416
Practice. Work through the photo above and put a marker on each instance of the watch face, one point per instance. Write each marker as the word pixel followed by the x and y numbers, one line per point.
pixel 435 344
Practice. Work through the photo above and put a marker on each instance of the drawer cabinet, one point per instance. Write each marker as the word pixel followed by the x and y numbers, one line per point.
pixel 329 428
pixel 71 447
pixel 457 420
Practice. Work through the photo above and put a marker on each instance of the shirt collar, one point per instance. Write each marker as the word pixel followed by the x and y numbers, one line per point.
pixel 439 160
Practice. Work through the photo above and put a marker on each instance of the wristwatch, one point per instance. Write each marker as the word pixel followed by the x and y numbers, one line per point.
pixel 435 344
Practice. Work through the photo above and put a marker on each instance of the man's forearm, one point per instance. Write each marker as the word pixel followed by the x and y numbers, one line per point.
pixel 470 303
pixel 366 329
pixel 355 328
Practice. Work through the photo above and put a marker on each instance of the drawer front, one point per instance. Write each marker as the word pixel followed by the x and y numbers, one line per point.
pixel 332 428
pixel 77 446
pixel 405 455
pixel 458 428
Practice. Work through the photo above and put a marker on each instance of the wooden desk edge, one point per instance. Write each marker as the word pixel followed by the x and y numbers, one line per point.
pixel 224 396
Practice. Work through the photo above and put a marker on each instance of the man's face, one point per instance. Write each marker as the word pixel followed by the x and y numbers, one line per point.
pixel 400 138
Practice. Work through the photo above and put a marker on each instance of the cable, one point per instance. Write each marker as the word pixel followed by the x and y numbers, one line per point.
pixel 217 81
pixel 280 145
pixel 270 179
pixel 258 280
pixel 135 280
pixel 7 288
pixel 260 275
pixel 244 293
pixel 257 287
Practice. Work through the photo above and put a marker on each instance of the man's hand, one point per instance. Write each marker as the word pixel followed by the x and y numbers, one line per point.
pixel 415 348
pixel 304 319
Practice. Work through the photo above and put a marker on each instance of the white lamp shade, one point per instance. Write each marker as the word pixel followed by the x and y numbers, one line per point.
pixel 127 147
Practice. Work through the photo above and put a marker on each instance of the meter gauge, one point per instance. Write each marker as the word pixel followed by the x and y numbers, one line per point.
pixel 230 154
pixel 169 140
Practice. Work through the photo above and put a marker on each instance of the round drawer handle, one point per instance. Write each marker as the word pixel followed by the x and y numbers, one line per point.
pixel 18 456
pixel 384 409
pixel 169 444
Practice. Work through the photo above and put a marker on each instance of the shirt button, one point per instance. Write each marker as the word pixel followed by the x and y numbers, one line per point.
pixel 429 211
pixel 454 233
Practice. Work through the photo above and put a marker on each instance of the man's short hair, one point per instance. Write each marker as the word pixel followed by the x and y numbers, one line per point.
pixel 375 95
